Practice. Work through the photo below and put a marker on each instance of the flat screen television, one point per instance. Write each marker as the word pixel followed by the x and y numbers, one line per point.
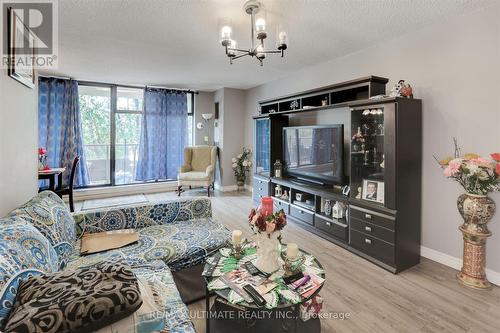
pixel 314 153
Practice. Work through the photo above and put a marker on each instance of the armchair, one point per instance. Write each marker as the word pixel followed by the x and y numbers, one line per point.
pixel 198 168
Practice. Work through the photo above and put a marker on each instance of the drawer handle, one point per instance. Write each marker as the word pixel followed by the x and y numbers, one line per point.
pixel 368 241
pixel 369 229
pixel 328 224
pixel 260 188
pixel 368 216
pixel 301 212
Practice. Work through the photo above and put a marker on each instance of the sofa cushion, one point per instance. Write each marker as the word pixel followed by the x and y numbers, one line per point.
pixel 82 300
pixel 24 252
pixel 179 244
pixel 194 175
pixel 49 214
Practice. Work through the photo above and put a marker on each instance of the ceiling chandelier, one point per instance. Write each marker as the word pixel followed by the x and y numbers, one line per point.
pixel 258 30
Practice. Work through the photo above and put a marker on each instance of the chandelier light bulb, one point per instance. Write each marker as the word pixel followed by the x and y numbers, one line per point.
pixel 226 32
pixel 232 45
pixel 283 38
pixel 260 25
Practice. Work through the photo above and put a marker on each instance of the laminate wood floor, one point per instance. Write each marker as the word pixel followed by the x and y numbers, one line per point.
pixel 425 298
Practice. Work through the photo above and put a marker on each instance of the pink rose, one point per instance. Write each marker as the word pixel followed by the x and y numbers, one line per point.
pixel 497 169
pixel 480 161
pixel 451 169
pixel 270 227
pixel 496 156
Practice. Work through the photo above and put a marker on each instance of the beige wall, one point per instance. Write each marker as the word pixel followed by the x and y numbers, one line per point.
pixel 18 143
pixel 231 117
pixel 454 67
pixel 204 103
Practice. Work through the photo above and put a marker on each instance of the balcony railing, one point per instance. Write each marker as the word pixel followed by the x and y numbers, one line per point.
pixel 98 163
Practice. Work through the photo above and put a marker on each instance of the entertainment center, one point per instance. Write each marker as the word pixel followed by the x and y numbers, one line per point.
pixel 351 167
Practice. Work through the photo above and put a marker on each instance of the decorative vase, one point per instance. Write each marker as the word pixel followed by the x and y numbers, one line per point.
pixel 477 211
pixel 267 252
pixel 240 181
pixel 42 162
pixel 328 207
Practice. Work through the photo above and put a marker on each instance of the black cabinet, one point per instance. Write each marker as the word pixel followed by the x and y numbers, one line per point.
pixel 381 220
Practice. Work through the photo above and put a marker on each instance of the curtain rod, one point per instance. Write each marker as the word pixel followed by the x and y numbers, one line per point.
pixel 119 85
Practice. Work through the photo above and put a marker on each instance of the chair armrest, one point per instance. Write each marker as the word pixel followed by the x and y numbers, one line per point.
pixel 210 170
pixel 137 217
pixel 185 168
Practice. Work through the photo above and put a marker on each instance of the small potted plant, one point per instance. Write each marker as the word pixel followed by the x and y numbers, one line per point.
pixel 241 165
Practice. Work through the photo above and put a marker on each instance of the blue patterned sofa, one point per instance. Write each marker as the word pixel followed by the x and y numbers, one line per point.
pixel 43 236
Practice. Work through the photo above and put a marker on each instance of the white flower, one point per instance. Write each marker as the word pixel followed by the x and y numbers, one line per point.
pixel 483 175
pixel 235 165
pixel 240 155
pixel 473 168
pixel 245 163
pixel 249 163
pixel 234 160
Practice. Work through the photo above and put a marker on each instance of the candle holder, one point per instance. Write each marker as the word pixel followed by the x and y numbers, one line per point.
pixel 237 250
pixel 292 266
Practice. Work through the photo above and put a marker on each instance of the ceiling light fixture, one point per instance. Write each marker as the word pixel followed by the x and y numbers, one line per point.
pixel 256 11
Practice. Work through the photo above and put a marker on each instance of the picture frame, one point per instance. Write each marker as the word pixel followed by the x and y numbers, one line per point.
pixel 16 33
pixel 373 190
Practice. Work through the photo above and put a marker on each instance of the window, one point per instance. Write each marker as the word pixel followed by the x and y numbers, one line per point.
pixel 111 125
pixel 95 110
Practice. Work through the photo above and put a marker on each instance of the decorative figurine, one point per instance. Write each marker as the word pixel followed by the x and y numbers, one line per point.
pixel 294 105
pixel 278 169
pixel 328 207
pixel 338 210
pixel 401 89
pixel 360 191
pixel 285 195
pixel 278 191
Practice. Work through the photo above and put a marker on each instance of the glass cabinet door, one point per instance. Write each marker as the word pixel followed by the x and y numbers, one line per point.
pixel 367 154
pixel 262 153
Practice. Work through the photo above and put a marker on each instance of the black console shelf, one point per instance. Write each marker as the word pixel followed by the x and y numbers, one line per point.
pixel 384 229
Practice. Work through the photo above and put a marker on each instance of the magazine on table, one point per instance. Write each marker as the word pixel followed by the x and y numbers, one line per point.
pixel 240 277
pixel 309 288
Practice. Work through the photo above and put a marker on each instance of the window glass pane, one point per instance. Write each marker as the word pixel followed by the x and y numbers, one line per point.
pixel 130 99
pixel 128 134
pixel 95 109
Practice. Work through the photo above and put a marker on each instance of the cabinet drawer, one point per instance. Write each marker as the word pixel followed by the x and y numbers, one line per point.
pixel 260 189
pixel 373 230
pixel 278 204
pixel 302 214
pixel 372 246
pixel 372 217
pixel 336 229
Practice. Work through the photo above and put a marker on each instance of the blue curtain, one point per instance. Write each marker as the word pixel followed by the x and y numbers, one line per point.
pixel 163 135
pixel 59 126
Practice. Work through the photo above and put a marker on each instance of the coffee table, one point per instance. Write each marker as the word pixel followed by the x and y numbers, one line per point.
pixel 226 317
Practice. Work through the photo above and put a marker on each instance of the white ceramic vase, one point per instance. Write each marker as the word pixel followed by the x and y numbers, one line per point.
pixel 267 252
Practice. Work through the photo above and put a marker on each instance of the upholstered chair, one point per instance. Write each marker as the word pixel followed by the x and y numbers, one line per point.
pixel 198 168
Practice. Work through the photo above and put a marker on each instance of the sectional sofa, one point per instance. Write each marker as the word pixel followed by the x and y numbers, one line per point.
pixel 43 236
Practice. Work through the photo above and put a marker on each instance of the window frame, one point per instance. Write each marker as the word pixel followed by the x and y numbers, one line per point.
pixel 113 112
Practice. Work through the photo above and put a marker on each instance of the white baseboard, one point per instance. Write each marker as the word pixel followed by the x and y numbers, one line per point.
pixel 231 188
pixel 455 263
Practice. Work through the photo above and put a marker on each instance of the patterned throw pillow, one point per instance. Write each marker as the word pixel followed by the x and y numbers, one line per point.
pixel 24 252
pixel 49 214
pixel 83 300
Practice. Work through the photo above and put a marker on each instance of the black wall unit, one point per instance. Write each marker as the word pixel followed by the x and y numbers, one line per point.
pixel 382 211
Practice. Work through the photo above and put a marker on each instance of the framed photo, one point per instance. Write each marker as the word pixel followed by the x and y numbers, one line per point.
pixel 373 190
pixel 20 66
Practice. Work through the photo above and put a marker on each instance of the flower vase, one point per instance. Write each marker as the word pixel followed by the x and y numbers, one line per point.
pixel 240 181
pixel 42 162
pixel 477 211
pixel 267 252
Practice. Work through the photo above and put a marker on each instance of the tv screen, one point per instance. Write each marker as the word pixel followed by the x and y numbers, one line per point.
pixel 315 153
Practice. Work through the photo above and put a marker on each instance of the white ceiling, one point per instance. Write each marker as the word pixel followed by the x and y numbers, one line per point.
pixel 174 43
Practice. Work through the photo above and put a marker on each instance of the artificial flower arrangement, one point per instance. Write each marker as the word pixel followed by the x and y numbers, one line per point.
pixel 260 223
pixel 242 164
pixel 476 174
pixel 42 159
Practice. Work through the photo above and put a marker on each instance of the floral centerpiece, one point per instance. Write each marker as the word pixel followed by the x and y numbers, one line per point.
pixel 267 229
pixel 478 176
pixel 42 159
pixel 241 165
